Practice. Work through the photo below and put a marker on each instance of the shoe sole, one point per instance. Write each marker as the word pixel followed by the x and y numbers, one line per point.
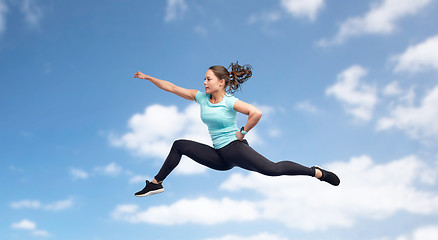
pixel 151 193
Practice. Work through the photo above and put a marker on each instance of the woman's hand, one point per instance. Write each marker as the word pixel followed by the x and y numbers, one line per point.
pixel 239 136
pixel 140 75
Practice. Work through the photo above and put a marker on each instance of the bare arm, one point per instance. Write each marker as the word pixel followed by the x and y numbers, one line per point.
pixel 254 115
pixel 189 94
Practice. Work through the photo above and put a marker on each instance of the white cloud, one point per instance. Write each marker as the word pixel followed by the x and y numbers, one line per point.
pixel 28 225
pixel 60 205
pixel 35 204
pixel 408 96
pixel 358 98
pixel 24 224
pixel 78 173
pixel 420 57
pixel 422 233
pixel 175 9
pixel 418 122
pixel 138 179
pixel 303 8
pixel 392 89
pixel 261 236
pixel 112 169
pixel 380 19
pixel 266 109
pixel 274 132
pixel 306 106
pixel 32 12
pixel 3 11
pixel 26 204
pixel 201 211
pixel 367 190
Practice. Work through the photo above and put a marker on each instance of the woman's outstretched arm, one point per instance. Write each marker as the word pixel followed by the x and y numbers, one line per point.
pixel 189 94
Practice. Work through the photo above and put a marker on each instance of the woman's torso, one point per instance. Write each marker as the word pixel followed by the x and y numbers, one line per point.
pixel 220 118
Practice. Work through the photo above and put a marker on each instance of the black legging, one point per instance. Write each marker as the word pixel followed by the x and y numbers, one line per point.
pixel 237 153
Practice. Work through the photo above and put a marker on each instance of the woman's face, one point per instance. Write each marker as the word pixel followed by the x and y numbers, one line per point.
pixel 212 83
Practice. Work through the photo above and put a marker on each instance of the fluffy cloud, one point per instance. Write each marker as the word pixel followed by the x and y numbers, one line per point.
pixel 358 98
pixel 175 9
pixel 392 89
pixel 112 169
pixel 422 233
pixel 419 57
pixel 201 211
pixel 35 204
pixel 28 225
pixel 78 173
pixel 60 205
pixel 24 224
pixel 303 8
pixel 380 19
pixel 26 204
pixel 306 106
pixel 418 121
pixel 367 190
pixel 262 236
pixel 138 179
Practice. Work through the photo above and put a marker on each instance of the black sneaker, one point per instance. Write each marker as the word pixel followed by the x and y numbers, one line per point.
pixel 328 176
pixel 150 189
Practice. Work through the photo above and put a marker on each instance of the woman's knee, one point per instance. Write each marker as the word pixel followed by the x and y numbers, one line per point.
pixel 180 143
pixel 272 170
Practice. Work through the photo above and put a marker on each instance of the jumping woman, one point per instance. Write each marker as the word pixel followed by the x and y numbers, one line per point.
pixel 218 111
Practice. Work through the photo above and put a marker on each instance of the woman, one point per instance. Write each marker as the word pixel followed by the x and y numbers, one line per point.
pixel 218 111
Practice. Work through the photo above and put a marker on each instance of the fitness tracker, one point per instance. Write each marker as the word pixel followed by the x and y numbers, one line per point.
pixel 243 131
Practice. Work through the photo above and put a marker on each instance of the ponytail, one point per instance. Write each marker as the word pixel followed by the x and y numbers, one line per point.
pixel 238 75
pixel 234 76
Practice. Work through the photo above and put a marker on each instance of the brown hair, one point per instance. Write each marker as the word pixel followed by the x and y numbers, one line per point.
pixel 234 76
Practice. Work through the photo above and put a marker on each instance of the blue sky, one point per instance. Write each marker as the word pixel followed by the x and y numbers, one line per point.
pixel 347 85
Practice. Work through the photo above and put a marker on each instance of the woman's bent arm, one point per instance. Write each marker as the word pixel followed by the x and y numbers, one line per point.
pixel 254 115
pixel 189 94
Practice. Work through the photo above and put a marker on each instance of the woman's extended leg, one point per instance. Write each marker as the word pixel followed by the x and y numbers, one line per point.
pixel 241 154
pixel 199 152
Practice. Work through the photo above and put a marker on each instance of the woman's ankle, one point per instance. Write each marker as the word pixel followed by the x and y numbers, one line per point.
pixel 318 172
pixel 154 181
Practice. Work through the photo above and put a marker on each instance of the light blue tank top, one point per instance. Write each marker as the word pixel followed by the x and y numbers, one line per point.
pixel 220 118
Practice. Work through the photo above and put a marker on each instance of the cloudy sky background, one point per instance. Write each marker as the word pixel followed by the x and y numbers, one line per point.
pixel 347 85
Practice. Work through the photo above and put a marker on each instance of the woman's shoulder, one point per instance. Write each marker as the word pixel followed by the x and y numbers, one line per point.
pixel 230 100
pixel 201 96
